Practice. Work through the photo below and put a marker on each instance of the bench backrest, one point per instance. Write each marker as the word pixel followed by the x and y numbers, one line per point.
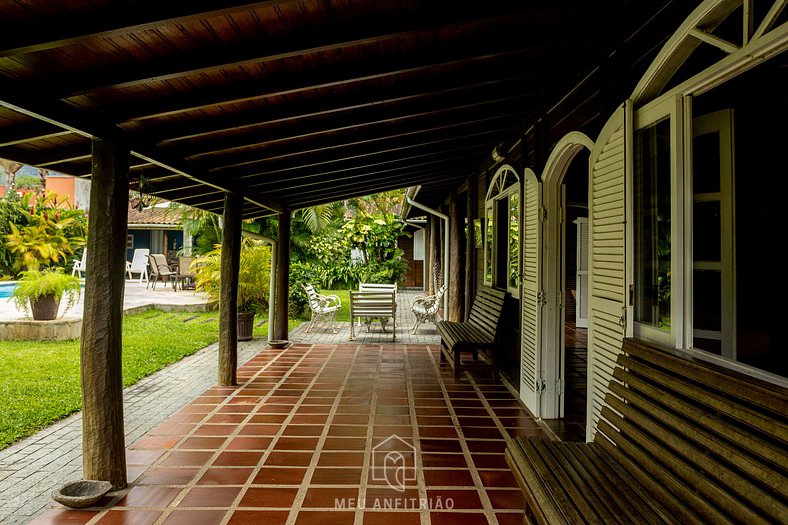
pixel 377 287
pixel 717 439
pixel 487 309
pixel 373 304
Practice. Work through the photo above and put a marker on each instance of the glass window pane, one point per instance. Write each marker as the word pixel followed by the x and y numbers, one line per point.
pixel 706 238
pixel 514 240
pixel 652 225
pixel 707 300
pixel 706 163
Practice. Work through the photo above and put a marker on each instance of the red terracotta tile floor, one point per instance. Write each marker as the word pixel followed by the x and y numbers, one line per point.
pixel 328 434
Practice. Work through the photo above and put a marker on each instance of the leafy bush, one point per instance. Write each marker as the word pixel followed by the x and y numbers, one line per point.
pixel 375 236
pixel 253 277
pixel 300 273
pixel 37 233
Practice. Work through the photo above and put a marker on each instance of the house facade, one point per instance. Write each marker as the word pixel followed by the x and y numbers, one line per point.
pixel 639 207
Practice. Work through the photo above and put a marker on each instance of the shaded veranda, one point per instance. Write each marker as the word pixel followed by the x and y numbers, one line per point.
pixel 296 440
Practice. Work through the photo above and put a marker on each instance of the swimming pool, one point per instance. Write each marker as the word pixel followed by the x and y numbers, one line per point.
pixel 6 289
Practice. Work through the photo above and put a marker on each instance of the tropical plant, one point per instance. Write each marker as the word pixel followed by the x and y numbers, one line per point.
pixel 253 276
pixel 35 285
pixel 300 273
pixel 43 235
pixel 202 225
pixel 375 236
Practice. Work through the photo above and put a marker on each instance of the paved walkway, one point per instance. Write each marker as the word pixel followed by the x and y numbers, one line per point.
pixel 308 437
pixel 136 297
pixel 322 334
pixel 32 468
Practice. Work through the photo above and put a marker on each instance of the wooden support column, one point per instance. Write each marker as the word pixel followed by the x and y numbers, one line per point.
pixel 435 266
pixel 228 289
pixel 456 264
pixel 428 257
pixel 470 250
pixel 103 437
pixel 282 276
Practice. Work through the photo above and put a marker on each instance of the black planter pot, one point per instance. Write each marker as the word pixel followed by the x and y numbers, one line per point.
pixel 45 308
pixel 245 326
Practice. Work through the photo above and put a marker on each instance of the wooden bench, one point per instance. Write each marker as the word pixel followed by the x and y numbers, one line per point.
pixel 474 335
pixel 376 304
pixel 680 441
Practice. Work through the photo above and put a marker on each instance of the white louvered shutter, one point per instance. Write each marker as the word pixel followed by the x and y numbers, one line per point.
pixel 607 261
pixel 581 281
pixel 530 348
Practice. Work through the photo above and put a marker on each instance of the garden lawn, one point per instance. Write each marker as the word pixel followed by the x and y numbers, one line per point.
pixel 343 314
pixel 40 381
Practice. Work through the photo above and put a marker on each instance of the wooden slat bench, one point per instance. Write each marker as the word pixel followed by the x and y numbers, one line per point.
pixel 375 304
pixel 680 441
pixel 474 335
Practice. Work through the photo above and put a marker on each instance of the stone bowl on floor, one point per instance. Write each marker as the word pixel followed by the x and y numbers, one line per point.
pixel 278 343
pixel 81 493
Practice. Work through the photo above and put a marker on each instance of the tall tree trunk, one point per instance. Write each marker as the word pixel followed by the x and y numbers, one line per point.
pixel 103 440
pixel 10 168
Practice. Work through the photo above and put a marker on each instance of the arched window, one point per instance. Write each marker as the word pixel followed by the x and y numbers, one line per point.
pixel 502 231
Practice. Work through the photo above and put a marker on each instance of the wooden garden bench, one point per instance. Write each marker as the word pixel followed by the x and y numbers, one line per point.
pixel 474 335
pixel 680 441
pixel 380 304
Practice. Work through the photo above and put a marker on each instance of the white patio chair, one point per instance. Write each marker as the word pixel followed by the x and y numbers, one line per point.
pixel 324 307
pixel 138 264
pixel 80 266
pixel 425 307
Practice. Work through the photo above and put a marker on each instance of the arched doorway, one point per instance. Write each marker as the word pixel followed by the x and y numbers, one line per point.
pixel 565 282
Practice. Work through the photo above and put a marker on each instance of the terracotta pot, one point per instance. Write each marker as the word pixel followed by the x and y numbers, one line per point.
pixel 45 308
pixel 245 326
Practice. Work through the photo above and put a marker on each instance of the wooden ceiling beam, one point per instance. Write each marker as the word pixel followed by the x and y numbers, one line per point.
pixel 113 20
pixel 48 156
pixel 85 123
pixel 395 167
pixel 459 84
pixel 31 131
pixel 331 38
pixel 369 124
pixel 407 178
pixel 331 197
pixel 240 165
pixel 328 162
pixel 338 76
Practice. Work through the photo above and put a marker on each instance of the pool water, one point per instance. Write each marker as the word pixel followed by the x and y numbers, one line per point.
pixel 6 289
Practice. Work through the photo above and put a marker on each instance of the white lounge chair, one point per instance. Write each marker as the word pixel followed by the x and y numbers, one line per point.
pixel 80 266
pixel 138 264
pixel 425 308
pixel 324 307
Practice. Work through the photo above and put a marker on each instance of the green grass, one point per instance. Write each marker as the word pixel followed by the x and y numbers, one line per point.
pixel 343 314
pixel 40 383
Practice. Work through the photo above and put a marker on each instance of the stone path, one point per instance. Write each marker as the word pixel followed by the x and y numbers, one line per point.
pixel 322 334
pixel 32 468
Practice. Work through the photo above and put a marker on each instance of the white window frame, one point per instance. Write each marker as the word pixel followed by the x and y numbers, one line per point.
pixel 671 108
pixel 498 191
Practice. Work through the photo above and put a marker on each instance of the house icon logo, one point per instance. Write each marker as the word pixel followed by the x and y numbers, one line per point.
pixel 394 461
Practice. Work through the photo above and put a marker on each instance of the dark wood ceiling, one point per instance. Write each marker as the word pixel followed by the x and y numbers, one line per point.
pixel 293 103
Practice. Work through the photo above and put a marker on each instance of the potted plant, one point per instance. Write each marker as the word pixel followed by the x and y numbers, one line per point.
pixel 42 291
pixel 253 282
